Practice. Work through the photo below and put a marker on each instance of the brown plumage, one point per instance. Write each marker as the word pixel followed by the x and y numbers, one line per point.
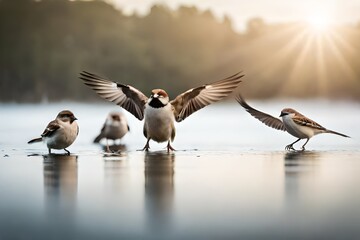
pixel 292 121
pixel 158 110
pixel 267 119
pixel 59 133
pixel 114 128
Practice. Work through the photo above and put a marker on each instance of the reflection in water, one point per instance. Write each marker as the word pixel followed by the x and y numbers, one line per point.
pixel 159 190
pixel 116 148
pixel 115 168
pixel 299 165
pixel 298 158
pixel 60 187
pixel 60 178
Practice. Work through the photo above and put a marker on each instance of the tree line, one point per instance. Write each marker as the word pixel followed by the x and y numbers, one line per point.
pixel 45 44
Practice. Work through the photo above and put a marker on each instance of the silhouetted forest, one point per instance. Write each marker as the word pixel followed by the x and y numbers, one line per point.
pixel 45 44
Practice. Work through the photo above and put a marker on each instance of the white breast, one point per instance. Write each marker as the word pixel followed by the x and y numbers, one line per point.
pixel 297 130
pixel 159 122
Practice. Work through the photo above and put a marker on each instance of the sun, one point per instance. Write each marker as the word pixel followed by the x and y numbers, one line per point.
pixel 319 22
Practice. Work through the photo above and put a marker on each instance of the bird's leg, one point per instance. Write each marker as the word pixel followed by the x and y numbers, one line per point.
pixel 49 150
pixel 303 146
pixel 290 146
pixel 107 146
pixel 169 147
pixel 147 146
pixel 68 152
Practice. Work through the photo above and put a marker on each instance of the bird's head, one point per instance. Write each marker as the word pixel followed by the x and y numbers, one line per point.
pixel 66 116
pixel 159 98
pixel 115 116
pixel 288 112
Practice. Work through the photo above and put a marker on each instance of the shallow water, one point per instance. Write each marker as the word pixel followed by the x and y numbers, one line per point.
pixel 229 178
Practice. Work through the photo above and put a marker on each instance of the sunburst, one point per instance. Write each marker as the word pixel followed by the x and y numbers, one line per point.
pixel 319 22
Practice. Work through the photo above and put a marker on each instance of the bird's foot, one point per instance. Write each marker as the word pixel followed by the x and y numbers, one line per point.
pixel 290 147
pixel 67 151
pixel 169 147
pixel 145 148
pixel 108 149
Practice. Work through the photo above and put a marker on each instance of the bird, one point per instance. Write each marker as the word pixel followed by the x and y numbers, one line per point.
pixel 59 133
pixel 158 111
pixel 115 127
pixel 292 122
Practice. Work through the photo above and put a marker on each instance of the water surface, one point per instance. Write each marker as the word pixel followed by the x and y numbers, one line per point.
pixel 229 178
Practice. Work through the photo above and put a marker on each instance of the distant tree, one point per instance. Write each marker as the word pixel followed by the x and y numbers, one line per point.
pixel 45 44
pixel 255 27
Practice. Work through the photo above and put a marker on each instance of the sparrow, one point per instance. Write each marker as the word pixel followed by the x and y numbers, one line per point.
pixel 59 133
pixel 115 127
pixel 159 112
pixel 292 122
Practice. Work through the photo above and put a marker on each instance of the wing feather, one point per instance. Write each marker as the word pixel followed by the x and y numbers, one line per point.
pixel 126 96
pixel 50 129
pixel 267 119
pixel 194 99
pixel 304 121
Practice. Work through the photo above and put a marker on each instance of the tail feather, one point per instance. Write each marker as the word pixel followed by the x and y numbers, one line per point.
pixel 98 138
pixel 35 140
pixel 333 132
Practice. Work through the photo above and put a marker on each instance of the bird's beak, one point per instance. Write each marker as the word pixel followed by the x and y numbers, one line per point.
pixel 155 95
pixel 282 114
pixel 73 119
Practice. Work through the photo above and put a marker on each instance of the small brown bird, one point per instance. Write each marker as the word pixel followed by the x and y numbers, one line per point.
pixel 59 133
pixel 115 127
pixel 159 112
pixel 292 121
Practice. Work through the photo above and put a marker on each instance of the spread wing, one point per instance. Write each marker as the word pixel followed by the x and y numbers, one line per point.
pixel 196 98
pixel 267 119
pixel 50 129
pixel 125 96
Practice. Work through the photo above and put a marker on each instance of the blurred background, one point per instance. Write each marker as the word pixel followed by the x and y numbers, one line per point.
pixel 230 177
pixel 286 49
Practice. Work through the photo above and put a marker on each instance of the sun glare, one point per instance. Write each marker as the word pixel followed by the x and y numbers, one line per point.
pixel 319 22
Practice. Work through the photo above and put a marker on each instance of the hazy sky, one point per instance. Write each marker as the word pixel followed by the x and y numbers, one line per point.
pixel 338 11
